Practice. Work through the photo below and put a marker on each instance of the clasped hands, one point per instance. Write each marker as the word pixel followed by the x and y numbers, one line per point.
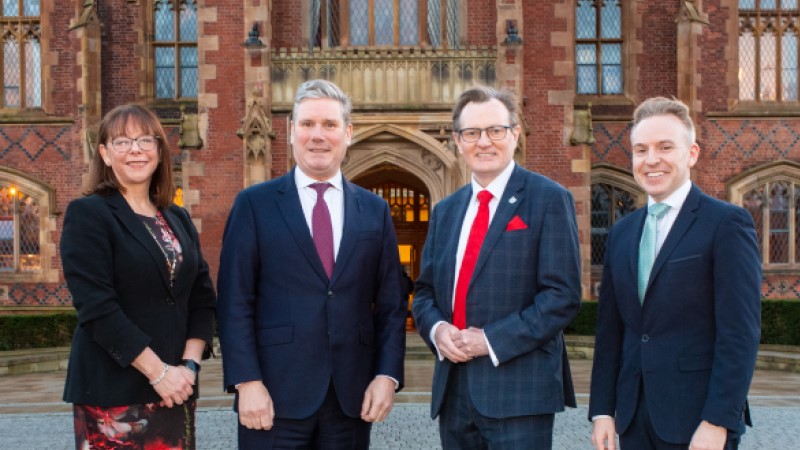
pixel 460 345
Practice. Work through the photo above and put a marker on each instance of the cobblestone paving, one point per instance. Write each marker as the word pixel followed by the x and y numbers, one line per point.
pixel 407 428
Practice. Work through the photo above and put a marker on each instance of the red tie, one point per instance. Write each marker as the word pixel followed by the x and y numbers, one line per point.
pixel 476 235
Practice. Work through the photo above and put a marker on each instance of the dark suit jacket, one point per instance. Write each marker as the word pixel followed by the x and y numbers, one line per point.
pixel 693 342
pixel 119 283
pixel 284 322
pixel 524 291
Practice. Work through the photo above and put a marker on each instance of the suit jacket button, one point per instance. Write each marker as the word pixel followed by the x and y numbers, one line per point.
pixel 645 338
pixel 330 294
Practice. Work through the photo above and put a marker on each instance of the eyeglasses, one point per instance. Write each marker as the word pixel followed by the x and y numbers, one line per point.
pixel 494 133
pixel 125 144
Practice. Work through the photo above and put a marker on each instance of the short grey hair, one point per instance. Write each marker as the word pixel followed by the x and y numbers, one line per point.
pixel 323 89
pixel 662 106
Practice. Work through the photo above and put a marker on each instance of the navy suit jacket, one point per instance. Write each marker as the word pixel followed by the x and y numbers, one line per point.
pixel 525 289
pixel 693 342
pixel 284 322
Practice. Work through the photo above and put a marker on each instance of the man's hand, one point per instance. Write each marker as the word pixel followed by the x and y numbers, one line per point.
pixel 472 342
pixel 378 400
pixel 709 437
pixel 445 333
pixel 255 406
pixel 604 434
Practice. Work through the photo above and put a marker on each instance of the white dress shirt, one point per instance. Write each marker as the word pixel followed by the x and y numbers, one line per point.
pixel 334 197
pixel 496 187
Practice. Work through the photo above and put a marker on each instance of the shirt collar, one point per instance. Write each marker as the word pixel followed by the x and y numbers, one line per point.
pixel 676 199
pixel 302 180
pixel 497 186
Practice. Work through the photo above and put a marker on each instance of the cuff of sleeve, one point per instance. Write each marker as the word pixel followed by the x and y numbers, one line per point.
pixel 396 383
pixel 495 361
pixel 601 416
pixel 432 337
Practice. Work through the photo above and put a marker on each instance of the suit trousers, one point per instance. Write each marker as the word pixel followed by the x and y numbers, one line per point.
pixel 462 427
pixel 641 435
pixel 329 428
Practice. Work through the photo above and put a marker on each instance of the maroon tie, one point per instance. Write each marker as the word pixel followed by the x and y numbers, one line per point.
pixel 476 235
pixel 321 228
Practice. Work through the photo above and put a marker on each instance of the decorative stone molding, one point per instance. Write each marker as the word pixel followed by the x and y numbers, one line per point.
pixel 257 134
pixel 189 131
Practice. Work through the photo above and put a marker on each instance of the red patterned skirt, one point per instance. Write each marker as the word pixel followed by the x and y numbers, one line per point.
pixel 135 427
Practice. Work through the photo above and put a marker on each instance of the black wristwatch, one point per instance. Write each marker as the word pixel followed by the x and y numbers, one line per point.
pixel 191 365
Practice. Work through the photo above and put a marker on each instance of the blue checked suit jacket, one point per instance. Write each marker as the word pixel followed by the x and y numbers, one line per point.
pixel 524 291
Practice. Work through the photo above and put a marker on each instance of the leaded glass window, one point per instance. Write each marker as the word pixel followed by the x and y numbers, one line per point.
pixel 609 204
pixel 19 231
pixel 775 207
pixel 405 203
pixel 598 47
pixel 768 50
pixel 20 54
pixel 175 49
pixel 342 23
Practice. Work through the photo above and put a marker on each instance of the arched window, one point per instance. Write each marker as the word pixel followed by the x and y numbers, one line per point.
pixel 20 54
pixel 614 194
pixel 768 50
pixel 771 194
pixel 342 23
pixel 25 222
pixel 175 49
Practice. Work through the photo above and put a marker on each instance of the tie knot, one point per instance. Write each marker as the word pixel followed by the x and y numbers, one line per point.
pixel 484 197
pixel 320 188
pixel 658 209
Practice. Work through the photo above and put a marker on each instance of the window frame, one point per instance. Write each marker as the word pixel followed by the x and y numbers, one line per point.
pixel 756 15
pixel 319 38
pixel 598 41
pixel 32 25
pixel 760 176
pixel 45 196
pixel 617 178
pixel 177 45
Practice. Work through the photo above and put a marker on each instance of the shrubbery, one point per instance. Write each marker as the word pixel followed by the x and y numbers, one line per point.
pixel 780 321
pixel 780 324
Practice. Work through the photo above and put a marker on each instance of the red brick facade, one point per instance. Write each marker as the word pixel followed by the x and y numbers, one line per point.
pixel 51 145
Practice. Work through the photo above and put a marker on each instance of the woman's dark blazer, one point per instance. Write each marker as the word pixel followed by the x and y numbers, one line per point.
pixel 118 278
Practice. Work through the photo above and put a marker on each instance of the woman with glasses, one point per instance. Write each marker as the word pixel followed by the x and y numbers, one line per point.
pixel 142 291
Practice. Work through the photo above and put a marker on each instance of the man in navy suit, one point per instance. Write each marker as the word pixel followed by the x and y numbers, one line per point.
pixel 311 307
pixel 500 280
pixel 676 338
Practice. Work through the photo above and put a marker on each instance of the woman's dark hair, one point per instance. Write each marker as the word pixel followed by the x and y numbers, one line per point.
pixel 115 123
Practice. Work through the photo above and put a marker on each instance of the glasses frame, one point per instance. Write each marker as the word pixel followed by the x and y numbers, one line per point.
pixel 134 141
pixel 485 130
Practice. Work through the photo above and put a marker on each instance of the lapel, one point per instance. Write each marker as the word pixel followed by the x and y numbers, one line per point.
pixel 452 219
pixel 505 211
pixel 123 212
pixel 683 222
pixel 292 212
pixel 350 229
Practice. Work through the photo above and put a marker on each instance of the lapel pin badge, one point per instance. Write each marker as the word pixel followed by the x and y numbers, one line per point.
pixel 512 200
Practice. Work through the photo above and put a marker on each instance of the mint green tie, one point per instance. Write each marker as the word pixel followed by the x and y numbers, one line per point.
pixel 647 246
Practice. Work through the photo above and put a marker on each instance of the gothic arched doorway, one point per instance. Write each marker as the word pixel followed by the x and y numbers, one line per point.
pixel 409 202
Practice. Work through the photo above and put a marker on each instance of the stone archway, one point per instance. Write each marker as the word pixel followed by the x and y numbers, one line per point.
pixel 412 150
